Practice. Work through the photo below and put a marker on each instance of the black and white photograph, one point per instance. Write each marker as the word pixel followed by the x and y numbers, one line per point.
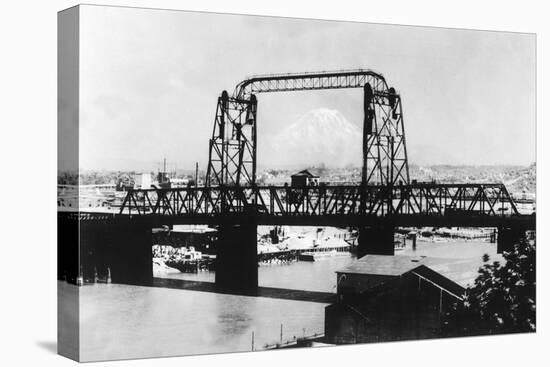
pixel 238 183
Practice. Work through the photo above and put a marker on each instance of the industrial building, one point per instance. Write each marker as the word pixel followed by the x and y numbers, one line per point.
pixel 389 298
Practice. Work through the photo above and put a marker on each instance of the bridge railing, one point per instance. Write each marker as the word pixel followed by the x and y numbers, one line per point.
pixel 425 199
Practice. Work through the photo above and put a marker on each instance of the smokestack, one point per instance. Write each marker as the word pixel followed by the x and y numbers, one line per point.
pixel 197 174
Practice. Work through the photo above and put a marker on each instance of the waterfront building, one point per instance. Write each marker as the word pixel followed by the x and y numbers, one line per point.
pixel 388 298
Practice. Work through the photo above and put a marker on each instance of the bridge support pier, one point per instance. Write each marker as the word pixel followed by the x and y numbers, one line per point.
pixel 508 237
pixel 237 256
pixel 376 240
pixel 119 249
pixel 67 248
pixel 132 258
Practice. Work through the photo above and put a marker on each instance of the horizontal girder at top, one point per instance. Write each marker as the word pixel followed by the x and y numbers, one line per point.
pixel 310 81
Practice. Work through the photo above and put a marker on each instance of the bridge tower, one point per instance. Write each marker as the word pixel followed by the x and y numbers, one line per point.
pixel 384 148
pixel 384 162
pixel 232 162
pixel 232 154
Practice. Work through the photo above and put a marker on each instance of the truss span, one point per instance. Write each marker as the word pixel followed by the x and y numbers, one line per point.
pixel 448 203
pixel 310 81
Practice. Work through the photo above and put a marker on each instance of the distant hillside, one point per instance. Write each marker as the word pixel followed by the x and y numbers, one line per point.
pixel 516 178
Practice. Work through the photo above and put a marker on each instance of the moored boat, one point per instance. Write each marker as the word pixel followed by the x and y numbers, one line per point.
pixel 322 252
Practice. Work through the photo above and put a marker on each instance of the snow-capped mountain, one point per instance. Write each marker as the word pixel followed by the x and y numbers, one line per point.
pixel 320 136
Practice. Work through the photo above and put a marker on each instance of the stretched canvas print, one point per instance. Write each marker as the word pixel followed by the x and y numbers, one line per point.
pixel 232 183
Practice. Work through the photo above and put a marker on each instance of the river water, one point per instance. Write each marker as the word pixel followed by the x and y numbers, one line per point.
pixel 121 321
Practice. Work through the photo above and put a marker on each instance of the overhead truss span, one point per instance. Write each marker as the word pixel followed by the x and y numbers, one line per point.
pixel 310 81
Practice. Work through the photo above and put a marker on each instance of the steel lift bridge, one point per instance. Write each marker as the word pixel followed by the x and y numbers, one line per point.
pixel 384 199
pixel 385 190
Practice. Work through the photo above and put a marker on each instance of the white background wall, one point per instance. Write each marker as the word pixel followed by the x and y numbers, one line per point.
pixel 28 150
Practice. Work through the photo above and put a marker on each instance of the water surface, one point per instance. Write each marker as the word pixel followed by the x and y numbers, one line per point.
pixel 121 321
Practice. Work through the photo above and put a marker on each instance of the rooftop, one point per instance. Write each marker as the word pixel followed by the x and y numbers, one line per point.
pixel 384 265
pixel 461 271
pixel 306 173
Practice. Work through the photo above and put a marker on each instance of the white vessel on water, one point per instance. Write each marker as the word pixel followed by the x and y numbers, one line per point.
pixel 321 252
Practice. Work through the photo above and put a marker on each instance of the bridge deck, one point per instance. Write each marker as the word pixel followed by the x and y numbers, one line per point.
pixel 472 205
pixel 465 220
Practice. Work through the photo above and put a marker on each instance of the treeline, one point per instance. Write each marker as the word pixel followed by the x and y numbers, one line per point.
pixel 502 299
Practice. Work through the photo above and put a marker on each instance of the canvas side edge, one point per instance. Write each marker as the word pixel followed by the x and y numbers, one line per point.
pixel 68 303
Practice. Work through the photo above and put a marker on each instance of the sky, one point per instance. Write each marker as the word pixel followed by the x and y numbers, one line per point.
pixel 150 79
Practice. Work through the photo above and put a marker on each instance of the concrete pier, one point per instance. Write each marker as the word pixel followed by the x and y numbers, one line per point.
pixel 376 240
pixel 121 249
pixel 132 257
pixel 237 258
